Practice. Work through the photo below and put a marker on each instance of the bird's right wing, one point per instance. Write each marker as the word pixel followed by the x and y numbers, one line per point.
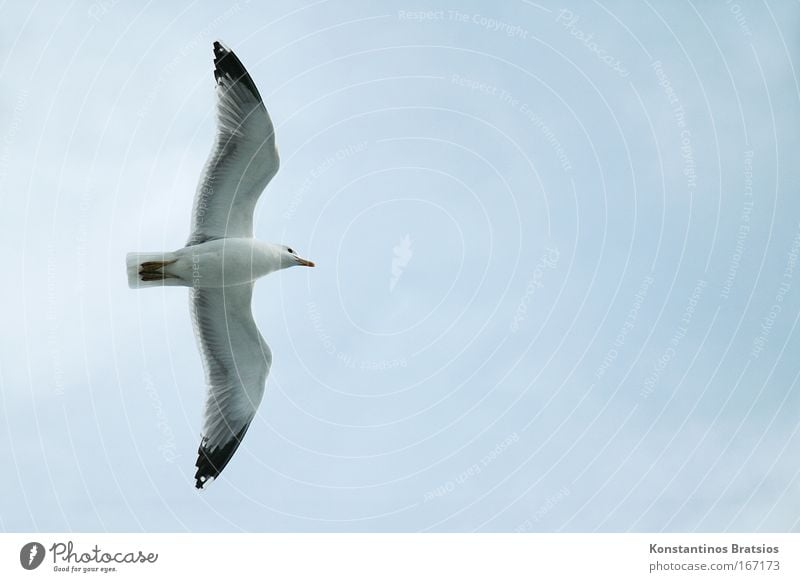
pixel 243 160
pixel 236 360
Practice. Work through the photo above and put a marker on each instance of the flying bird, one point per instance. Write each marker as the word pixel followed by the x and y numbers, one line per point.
pixel 222 260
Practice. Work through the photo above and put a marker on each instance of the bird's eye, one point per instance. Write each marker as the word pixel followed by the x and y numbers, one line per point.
pixel 290 250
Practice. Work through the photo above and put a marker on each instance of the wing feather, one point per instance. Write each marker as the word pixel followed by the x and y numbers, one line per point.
pixel 236 360
pixel 243 159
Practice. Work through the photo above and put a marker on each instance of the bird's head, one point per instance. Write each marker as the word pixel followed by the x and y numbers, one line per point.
pixel 289 258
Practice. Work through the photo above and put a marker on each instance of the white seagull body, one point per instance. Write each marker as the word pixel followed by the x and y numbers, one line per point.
pixel 221 261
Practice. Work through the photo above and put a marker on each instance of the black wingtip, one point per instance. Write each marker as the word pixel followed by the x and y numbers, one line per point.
pixel 228 66
pixel 211 463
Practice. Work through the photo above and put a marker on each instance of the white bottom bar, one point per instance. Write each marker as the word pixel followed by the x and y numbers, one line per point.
pixel 400 557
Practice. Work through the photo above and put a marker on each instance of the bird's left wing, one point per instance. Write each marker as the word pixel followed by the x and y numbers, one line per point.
pixel 236 360
pixel 243 160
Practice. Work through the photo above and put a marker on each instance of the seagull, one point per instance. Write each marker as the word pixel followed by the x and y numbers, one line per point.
pixel 222 260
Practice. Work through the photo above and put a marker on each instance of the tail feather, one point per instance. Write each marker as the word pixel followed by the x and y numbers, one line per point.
pixel 150 270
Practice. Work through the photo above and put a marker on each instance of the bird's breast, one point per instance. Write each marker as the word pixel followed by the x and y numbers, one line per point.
pixel 222 263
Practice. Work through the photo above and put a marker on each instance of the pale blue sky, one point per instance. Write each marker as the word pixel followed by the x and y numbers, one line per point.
pixel 549 241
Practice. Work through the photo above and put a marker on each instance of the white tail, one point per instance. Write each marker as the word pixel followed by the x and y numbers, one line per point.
pixel 150 270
